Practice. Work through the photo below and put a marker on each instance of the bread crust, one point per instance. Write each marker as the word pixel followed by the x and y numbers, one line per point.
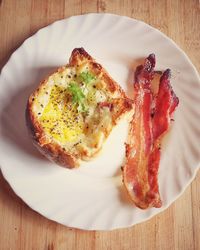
pixel 52 150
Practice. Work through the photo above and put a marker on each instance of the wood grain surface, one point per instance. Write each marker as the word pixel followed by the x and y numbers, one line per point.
pixel 178 227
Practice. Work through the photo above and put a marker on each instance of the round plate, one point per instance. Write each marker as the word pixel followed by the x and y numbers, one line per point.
pixel 92 197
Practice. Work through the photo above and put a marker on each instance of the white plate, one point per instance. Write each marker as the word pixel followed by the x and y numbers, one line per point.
pixel 92 197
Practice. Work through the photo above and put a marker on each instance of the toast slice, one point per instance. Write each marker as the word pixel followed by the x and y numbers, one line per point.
pixel 73 111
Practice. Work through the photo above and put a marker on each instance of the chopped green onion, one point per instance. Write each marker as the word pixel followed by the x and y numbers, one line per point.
pixel 86 77
pixel 76 92
pixel 78 96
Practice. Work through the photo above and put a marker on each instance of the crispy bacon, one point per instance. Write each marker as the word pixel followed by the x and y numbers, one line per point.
pixel 106 104
pixel 165 104
pixel 150 121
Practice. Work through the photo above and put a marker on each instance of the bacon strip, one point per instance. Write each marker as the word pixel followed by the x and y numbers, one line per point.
pixel 165 104
pixel 150 121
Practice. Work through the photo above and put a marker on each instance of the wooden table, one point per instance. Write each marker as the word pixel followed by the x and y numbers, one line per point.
pixel 176 228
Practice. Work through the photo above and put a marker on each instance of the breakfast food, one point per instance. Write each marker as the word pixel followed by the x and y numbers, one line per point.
pixel 150 122
pixel 73 111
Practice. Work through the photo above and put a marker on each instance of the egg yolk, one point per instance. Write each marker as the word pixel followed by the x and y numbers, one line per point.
pixel 60 117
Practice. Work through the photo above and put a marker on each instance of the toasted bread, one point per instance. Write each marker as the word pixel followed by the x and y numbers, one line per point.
pixel 73 111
